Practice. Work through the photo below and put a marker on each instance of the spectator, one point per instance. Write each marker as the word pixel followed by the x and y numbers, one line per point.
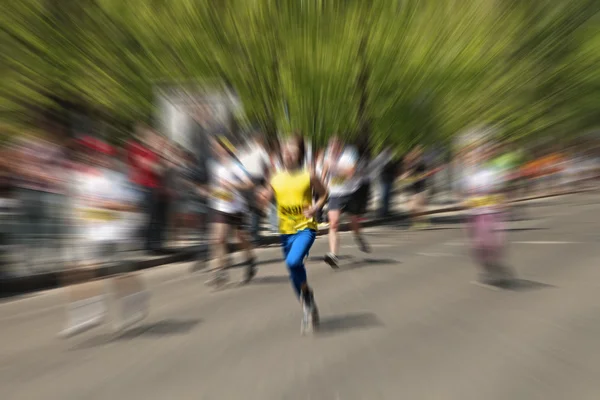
pixel 143 175
pixel 388 176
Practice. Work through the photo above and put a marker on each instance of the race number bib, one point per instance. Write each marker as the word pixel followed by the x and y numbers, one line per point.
pixel 97 214
pixel 223 195
pixel 338 180
pixel 485 201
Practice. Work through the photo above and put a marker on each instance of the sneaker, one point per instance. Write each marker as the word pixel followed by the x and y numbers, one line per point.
pixel 362 244
pixel 332 260
pixel 218 278
pixel 250 270
pixel 310 313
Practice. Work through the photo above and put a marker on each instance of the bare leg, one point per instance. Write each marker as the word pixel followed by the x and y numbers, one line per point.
pixel 245 242
pixel 219 245
pixel 250 259
pixel 355 224
pixel 334 221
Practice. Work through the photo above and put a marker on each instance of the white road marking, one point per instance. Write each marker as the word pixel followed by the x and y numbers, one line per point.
pixel 518 242
pixel 437 254
pixel 543 242
pixel 455 244
pixel 349 246
pixel 486 286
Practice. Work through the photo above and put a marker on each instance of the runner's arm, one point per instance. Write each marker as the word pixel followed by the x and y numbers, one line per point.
pixel 320 190
pixel 245 184
pixel 265 195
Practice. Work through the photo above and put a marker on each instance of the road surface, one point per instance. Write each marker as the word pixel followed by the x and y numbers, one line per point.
pixel 402 323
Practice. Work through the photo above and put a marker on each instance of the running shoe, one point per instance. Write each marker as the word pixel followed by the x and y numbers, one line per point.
pixel 250 270
pixel 332 260
pixel 218 278
pixel 362 244
pixel 310 313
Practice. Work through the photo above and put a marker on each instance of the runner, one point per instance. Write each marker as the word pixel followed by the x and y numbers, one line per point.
pixel 227 202
pixel 342 169
pixel 292 189
pixel 418 202
pixel 485 225
pixel 100 206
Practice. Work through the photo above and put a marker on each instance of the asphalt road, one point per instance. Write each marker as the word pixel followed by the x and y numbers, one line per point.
pixel 401 323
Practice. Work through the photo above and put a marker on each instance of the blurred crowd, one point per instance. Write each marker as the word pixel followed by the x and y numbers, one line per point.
pixel 72 202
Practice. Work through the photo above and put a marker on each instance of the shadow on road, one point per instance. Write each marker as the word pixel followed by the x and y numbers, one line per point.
pixel 525 229
pixel 346 322
pixel 270 279
pixel 159 329
pixel 366 262
pixel 276 260
pixel 320 258
pixel 524 285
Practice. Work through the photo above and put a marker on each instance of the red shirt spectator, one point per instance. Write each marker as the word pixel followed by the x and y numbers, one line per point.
pixel 141 165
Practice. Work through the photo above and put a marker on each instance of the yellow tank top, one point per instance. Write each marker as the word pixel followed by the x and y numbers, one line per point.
pixel 293 195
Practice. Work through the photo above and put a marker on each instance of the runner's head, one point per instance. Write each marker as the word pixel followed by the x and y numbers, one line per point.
pixel 335 144
pixel 293 152
pixel 220 147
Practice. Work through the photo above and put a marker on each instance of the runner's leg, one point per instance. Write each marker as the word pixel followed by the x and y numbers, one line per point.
pixel 334 220
pixel 249 250
pixel 296 248
pixel 219 249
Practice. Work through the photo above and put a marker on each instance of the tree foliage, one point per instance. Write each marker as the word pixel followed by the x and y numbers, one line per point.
pixel 402 71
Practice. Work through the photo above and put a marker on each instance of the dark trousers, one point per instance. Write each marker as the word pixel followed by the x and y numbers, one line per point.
pixel 254 213
pixel 386 196
pixel 156 206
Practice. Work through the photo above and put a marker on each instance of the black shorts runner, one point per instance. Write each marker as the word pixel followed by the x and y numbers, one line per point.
pixel 236 219
pixel 353 204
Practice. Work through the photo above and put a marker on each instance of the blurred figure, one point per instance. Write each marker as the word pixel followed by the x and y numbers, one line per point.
pixel 387 177
pixel 341 167
pixel 144 175
pixel 276 167
pixel 102 202
pixel 255 160
pixel 417 169
pixel 485 224
pixel 101 196
pixel 317 165
pixel 292 189
pixel 8 206
pixel 36 183
pixel 363 178
pixel 228 205
pixel 186 207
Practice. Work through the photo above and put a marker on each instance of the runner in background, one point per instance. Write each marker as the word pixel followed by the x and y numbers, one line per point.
pixel 342 169
pixel 417 169
pixel 506 161
pixel 387 177
pixel 255 160
pixel 486 217
pixel 276 167
pixel 363 177
pixel 292 189
pixel 227 182
pixel 317 166
pixel 100 204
